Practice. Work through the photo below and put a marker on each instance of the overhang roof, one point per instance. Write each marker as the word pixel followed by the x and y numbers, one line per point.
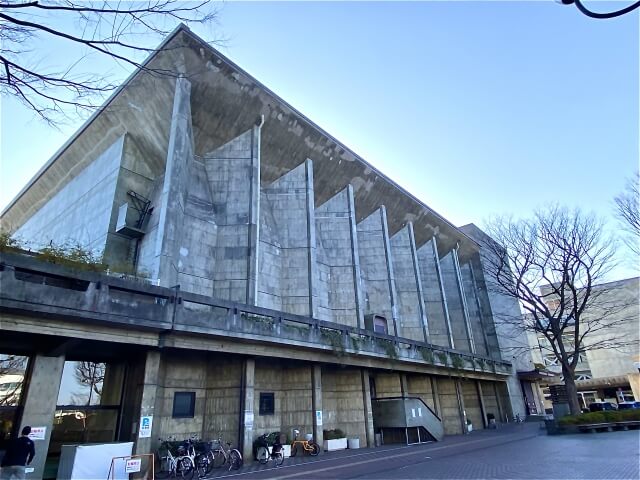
pixel 226 101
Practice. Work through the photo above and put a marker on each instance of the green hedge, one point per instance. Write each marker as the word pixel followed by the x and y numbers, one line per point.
pixel 333 434
pixel 601 417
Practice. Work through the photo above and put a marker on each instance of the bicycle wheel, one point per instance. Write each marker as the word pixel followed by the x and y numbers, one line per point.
pixel 262 455
pixel 185 468
pixel 202 464
pixel 162 466
pixel 278 458
pixel 235 458
pixel 218 458
pixel 315 449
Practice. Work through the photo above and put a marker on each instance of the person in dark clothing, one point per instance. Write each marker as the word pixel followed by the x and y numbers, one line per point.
pixel 20 452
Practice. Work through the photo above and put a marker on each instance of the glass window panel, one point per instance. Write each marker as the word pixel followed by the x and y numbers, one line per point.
pixel 12 374
pixel 82 426
pixel 184 404
pixel 90 383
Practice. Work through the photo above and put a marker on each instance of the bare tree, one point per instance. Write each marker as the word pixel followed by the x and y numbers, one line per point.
pixel 552 264
pixel 628 211
pixel 116 30
pixel 12 371
pixel 90 374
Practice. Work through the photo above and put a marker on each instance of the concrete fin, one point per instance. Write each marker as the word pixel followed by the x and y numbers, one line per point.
pixel 233 174
pixel 287 243
pixel 455 302
pixel 376 268
pixel 411 309
pixel 338 263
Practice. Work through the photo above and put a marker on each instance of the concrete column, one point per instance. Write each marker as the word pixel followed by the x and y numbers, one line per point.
pixel 416 268
pixel 312 263
pixel 40 404
pixel 404 385
pixel 443 294
pixel 463 414
pixel 316 401
pixel 246 412
pixel 483 320
pixel 355 256
pixel 148 402
pixel 254 219
pixel 501 412
pixel 483 409
pixel 368 413
pixel 436 397
pixel 171 205
pixel 390 275
pixel 463 299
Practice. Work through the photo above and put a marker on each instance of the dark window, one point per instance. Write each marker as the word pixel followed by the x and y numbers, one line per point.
pixel 266 404
pixel 184 404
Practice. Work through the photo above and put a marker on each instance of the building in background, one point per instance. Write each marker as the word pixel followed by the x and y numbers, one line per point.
pixel 269 280
pixel 604 374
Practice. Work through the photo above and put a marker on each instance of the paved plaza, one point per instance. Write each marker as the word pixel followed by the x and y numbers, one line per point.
pixel 517 451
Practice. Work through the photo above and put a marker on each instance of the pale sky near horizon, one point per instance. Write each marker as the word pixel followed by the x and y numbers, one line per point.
pixel 477 108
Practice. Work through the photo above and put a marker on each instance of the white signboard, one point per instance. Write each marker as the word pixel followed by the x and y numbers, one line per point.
pixel 133 465
pixel 319 417
pixel 38 433
pixel 29 470
pixel 248 420
pixel 413 412
pixel 419 411
pixel 146 422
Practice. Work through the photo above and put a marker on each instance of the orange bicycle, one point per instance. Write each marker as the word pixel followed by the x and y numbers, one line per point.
pixel 307 445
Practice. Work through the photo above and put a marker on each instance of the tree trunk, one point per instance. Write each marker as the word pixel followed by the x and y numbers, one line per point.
pixel 572 392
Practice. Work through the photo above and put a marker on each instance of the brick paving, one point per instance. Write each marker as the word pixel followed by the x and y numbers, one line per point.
pixel 521 451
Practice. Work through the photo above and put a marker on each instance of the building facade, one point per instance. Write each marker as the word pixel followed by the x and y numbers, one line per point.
pixel 261 277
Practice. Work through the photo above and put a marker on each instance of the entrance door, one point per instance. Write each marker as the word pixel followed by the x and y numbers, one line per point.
pixel 529 399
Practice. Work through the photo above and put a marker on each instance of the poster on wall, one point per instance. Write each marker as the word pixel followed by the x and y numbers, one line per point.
pixel 38 433
pixel 146 422
pixel 133 465
pixel 248 420
pixel 319 418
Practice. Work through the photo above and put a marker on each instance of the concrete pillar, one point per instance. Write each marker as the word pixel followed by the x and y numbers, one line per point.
pixel 171 205
pixel 483 409
pixel 246 412
pixel 483 320
pixel 316 401
pixel 357 274
pixel 463 299
pixel 148 401
pixel 254 219
pixel 404 385
pixel 463 414
pixel 436 397
pixel 368 413
pixel 40 404
pixel 443 294
pixel 390 274
pixel 312 264
pixel 501 412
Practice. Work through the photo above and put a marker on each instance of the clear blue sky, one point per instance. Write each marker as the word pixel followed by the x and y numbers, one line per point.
pixel 477 108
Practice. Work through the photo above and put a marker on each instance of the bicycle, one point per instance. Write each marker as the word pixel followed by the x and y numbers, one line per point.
pixel 307 445
pixel 180 466
pixel 220 455
pixel 264 454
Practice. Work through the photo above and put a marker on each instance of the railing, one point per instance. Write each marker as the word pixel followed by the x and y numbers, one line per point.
pixel 30 285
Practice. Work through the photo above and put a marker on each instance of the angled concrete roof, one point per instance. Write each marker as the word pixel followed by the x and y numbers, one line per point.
pixel 226 101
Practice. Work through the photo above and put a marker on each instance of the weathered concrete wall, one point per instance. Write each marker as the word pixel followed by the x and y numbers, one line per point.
pixel 450 410
pixel 81 211
pixel 473 307
pixel 376 268
pixel 411 310
pixel 222 398
pixel 420 386
pixel 472 403
pixel 490 399
pixel 434 300
pixel 455 303
pixel 292 389
pixel 342 402
pixel 233 171
pixel 338 285
pixel 287 243
pixel 387 384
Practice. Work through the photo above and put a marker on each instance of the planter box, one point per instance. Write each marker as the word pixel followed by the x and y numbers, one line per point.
pixel 353 443
pixel 337 444
pixel 469 427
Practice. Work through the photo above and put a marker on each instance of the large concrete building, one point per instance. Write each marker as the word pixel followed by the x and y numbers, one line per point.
pixel 275 280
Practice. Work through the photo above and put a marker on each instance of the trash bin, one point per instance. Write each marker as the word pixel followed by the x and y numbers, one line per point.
pixel 378 439
pixel 491 421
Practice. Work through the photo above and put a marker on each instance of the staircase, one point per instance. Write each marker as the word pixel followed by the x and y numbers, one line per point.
pixel 406 419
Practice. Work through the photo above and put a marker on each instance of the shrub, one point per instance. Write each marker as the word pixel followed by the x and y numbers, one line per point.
pixel 442 356
pixel 427 355
pixel 457 361
pixel 601 417
pixel 333 434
